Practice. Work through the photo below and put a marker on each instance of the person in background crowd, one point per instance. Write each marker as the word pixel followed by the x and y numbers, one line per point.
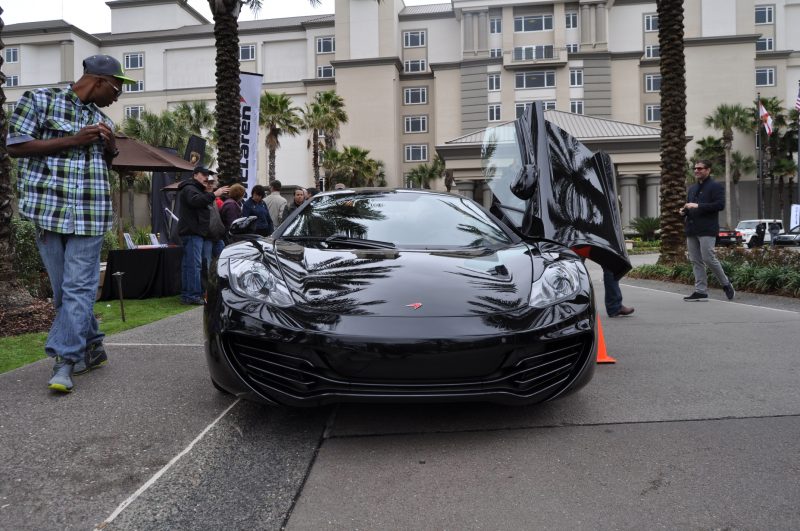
pixel 339 186
pixel 705 200
pixel 232 208
pixel 276 204
pixel 298 199
pixel 66 146
pixel 213 245
pixel 311 192
pixel 193 227
pixel 255 206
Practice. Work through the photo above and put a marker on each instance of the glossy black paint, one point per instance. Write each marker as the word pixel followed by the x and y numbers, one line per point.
pixel 561 191
pixel 353 333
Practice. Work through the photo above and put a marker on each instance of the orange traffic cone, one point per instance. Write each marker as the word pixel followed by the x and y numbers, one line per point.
pixel 602 355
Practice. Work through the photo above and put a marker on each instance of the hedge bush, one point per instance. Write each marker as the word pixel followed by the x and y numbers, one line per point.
pixel 767 270
pixel 28 264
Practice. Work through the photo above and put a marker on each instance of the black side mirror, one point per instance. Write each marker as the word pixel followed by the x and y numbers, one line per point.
pixel 243 225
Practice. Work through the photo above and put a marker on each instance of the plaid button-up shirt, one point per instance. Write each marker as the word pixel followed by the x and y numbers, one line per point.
pixel 66 192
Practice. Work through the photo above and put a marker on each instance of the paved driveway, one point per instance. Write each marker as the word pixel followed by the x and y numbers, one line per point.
pixel 696 427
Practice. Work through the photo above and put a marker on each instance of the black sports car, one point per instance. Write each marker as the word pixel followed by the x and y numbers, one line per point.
pixel 411 295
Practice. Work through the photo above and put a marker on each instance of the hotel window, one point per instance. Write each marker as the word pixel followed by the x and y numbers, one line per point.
pixel 495 25
pixel 527 53
pixel 326 44
pixel 416 65
pixel 526 80
pixel 572 20
pixel 11 55
pixel 416 124
pixel 247 52
pixel 134 87
pixel 652 83
pixel 651 51
pixel 415 96
pixel 134 111
pixel 533 23
pixel 494 82
pixel 416 152
pixel 651 23
pixel 765 14
pixel 325 71
pixel 496 52
pixel 576 106
pixel 11 81
pixel 575 77
pixel 765 77
pixel 520 107
pixel 764 44
pixel 413 39
pixel 494 112
pixel 134 61
pixel 652 113
pixel 573 48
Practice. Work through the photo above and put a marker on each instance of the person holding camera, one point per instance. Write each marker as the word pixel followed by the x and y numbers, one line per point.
pixel 705 200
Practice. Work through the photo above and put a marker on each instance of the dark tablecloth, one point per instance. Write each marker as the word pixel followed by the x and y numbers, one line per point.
pixel 148 273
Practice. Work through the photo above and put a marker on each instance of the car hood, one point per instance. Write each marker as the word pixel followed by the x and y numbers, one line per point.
pixel 546 184
pixel 396 283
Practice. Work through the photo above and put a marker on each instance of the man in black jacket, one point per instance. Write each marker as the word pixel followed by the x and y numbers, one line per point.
pixel 193 214
pixel 706 198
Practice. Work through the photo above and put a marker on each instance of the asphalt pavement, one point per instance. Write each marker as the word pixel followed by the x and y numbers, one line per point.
pixel 697 426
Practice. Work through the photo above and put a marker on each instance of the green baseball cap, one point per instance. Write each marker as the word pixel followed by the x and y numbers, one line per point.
pixel 105 65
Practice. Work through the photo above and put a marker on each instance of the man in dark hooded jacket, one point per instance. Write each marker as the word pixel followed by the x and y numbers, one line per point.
pixel 193 215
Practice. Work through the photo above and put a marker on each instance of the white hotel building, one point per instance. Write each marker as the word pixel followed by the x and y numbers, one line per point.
pixel 425 78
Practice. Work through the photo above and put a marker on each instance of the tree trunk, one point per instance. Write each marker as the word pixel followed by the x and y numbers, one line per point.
pixel 131 216
pixel 13 296
pixel 728 184
pixel 228 114
pixel 673 130
pixel 271 164
pixel 315 154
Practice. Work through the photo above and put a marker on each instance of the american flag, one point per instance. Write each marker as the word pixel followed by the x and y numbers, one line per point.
pixel 797 100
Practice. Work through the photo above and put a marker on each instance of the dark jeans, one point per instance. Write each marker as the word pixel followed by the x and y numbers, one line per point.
pixel 613 294
pixel 191 267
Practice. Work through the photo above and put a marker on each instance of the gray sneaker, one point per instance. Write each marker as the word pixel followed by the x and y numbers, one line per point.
pixel 94 358
pixel 62 376
pixel 729 291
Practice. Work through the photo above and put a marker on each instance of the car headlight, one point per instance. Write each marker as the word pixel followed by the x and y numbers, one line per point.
pixel 560 281
pixel 252 279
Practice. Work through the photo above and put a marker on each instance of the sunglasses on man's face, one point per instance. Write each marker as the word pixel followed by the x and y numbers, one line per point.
pixel 117 91
pixel 699 168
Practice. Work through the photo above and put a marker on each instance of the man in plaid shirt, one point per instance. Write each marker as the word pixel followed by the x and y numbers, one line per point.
pixel 66 145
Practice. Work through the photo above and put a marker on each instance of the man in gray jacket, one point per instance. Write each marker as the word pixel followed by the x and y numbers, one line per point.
pixel 276 204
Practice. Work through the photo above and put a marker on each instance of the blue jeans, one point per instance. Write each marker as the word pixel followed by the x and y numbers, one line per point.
pixel 191 267
pixel 613 298
pixel 73 265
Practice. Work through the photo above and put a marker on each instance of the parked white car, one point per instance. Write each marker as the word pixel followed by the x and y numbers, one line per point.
pixel 749 228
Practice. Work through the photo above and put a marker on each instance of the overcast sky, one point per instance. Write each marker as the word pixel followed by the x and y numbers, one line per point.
pixel 94 16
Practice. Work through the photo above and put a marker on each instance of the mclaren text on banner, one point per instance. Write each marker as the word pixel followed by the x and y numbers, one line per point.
pixel 250 92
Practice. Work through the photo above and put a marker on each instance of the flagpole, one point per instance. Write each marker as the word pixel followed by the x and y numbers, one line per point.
pixel 760 176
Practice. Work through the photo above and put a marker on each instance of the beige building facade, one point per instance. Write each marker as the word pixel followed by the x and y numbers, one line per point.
pixel 419 80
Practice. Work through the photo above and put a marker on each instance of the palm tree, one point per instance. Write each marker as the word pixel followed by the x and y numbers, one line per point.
pixel 279 117
pixel 423 174
pixel 12 295
pixel 333 105
pixel 313 120
pixel 726 118
pixel 673 129
pixel 226 37
pixel 710 148
pixel 196 116
pixel 740 165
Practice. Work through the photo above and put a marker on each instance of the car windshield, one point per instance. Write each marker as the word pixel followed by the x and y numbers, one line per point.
pixel 404 219
pixel 747 225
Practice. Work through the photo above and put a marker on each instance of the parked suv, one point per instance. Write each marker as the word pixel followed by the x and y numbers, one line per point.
pixel 750 230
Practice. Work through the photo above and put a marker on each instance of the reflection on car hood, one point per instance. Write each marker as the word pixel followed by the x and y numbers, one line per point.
pixel 562 191
pixel 395 283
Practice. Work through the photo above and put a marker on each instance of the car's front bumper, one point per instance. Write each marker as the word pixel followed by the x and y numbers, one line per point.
pixel 394 359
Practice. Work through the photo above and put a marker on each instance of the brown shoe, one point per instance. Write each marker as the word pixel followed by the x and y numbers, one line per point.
pixel 623 311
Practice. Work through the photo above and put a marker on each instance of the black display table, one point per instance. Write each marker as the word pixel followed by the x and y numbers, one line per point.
pixel 148 273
